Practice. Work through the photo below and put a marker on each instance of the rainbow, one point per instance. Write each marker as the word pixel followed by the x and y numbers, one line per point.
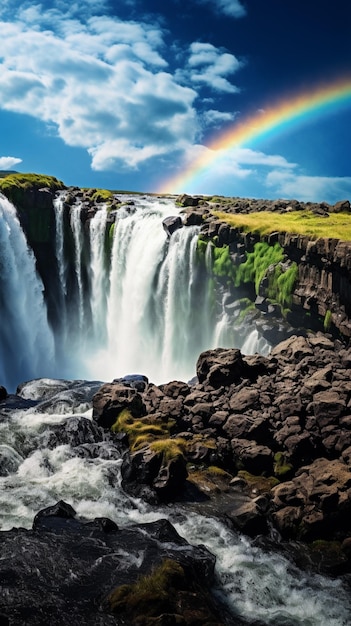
pixel 285 113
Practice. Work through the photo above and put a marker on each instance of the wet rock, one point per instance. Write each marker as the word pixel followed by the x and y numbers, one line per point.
pixel 171 224
pixel 111 399
pixel 66 570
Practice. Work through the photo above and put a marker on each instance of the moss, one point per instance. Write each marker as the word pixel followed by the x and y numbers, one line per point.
pixel 151 594
pixel 282 469
pixel 223 266
pixel 263 484
pixel 141 431
pixel 210 480
pixel 169 448
pixel 257 263
pixel 14 186
pixel 215 471
pixel 327 320
pixel 247 307
pixel 102 195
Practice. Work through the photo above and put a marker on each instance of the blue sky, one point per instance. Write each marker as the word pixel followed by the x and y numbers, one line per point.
pixel 124 94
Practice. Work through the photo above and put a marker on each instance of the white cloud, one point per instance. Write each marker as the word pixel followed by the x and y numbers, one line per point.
pixel 8 162
pixel 309 188
pixel 215 118
pixel 210 66
pixel 232 8
pixel 100 82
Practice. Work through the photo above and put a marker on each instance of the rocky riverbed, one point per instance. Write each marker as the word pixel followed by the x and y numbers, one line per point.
pixel 274 429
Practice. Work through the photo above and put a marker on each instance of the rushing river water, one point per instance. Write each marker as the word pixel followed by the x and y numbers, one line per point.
pixel 130 300
pixel 256 584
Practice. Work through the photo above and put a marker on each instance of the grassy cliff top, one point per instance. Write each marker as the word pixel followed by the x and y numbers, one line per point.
pixel 27 181
pixel 305 223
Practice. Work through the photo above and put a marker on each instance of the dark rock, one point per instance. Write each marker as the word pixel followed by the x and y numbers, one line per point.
pixel 171 224
pixel 65 570
pixel 113 398
pixel 220 367
pixel 137 381
pixel 162 472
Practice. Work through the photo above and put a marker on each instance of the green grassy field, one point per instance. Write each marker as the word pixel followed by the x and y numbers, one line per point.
pixel 336 225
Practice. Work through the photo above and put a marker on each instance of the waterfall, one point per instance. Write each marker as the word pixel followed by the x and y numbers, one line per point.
pixel 99 274
pixel 130 299
pixel 26 341
pixel 76 226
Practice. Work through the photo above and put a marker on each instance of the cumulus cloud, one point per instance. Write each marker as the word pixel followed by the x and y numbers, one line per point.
pixel 232 8
pixel 8 162
pixel 309 188
pixel 101 82
pixel 210 66
pixel 215 118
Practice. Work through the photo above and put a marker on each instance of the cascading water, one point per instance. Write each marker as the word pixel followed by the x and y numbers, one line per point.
pixel 99 274
pixel 150 305
pixel 254 583
pixel 145 305
pixel 26 341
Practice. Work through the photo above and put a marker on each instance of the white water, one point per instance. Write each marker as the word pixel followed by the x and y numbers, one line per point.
pixel 98 274
pixel 151 308
pixel 26 341
pixel 77 230
pixel 254 584
pixel 144 306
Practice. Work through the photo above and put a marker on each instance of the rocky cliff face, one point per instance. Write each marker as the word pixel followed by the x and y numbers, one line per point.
pixel 321 298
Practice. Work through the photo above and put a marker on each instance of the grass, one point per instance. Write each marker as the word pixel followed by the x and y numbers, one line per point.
pixel 28 181
pixel 336 225
pixel 151 594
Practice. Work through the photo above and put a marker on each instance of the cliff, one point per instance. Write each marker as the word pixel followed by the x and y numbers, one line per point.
pixel 321 294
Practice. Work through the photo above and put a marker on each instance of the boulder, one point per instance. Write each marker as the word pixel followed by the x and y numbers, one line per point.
pixel 321 496
pixel 171 224
pixel 220 367
pixel 154 473
pixel 69 570
pixel 111 399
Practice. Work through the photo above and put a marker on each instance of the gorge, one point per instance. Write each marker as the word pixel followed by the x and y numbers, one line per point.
pixel 110 287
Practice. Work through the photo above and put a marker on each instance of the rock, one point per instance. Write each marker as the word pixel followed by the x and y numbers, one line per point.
pixel 248 515
pixel 220 367
pixel 186 200
pixel 111 399
pixel 159 471
pixel 171 224
pixel 137 381
pixel 255 458
pixel 68 571
pixel 3 393
pixel 321 493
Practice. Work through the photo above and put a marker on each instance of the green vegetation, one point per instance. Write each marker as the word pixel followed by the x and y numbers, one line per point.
pixel 141 431
pixel 151 595
pixel 263 484
pixel 327 320
pixel 169 448
pixel 14 185
pixel 282 469
pixel 257 264
pixel 336 225
pixel 100 195
pixel 264 262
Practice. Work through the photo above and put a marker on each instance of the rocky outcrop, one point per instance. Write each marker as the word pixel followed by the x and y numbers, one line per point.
pixel 280 426
pixel 322 292
pixel 68 570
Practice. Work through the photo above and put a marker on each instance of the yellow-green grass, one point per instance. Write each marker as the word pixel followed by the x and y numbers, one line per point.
pixel 26 181
pixel 336 225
